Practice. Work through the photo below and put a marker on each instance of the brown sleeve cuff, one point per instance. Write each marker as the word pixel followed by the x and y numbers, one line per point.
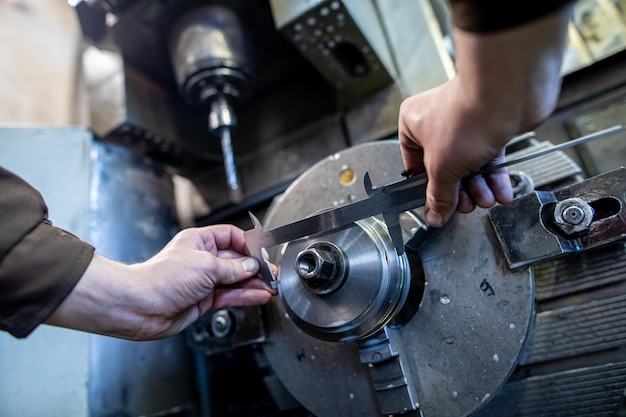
pixel 493 15
pixel 37 275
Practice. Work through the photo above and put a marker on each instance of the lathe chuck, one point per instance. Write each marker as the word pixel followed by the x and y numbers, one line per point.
pixel 359 330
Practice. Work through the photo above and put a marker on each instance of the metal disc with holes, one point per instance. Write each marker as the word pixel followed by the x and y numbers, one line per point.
pixel 461 342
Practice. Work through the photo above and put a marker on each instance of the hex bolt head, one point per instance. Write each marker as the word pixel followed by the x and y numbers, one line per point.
pixel 573 216
pixel 521 183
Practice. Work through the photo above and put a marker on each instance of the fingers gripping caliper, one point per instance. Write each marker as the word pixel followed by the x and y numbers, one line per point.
pixel 388 200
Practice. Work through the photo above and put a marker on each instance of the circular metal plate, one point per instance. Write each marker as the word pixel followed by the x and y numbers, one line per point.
pixel 374 288
pixel 464 340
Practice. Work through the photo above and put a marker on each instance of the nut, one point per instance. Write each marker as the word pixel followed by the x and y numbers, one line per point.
pixel 321 267
pixel 573 216
pixel 313 263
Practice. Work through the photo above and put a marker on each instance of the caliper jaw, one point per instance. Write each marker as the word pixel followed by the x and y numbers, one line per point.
pixel 254 240
pixel 548 224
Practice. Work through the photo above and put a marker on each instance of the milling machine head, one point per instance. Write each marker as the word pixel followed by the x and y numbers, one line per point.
pixel 212 63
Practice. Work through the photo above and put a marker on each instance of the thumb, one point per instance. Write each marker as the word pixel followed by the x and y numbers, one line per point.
pixel 232 271
pixel 441 201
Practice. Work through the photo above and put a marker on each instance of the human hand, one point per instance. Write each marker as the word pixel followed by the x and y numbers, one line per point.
pixel 507 83
pixel 198 270
pixel 442 137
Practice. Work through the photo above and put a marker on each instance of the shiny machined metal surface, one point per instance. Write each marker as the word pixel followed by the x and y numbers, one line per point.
pixel 454 352
pixel 370 285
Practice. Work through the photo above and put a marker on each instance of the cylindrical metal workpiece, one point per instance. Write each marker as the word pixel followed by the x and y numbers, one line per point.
pixel 344 294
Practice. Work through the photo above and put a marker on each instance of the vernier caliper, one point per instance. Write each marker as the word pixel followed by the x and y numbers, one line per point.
pixel 388 200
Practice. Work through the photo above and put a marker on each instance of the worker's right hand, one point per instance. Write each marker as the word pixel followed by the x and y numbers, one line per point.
pixel 441 135
pixel 507 83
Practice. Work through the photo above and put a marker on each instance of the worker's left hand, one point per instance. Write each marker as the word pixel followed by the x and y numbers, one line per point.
pixel 200 269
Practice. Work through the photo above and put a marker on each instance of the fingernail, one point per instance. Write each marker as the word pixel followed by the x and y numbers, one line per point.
pixel 434 219
pixel 250 265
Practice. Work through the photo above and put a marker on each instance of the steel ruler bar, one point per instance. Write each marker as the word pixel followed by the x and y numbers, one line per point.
pixel 409 197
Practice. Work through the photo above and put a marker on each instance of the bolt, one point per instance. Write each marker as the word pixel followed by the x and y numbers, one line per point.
pixel 521 183
pixel 221 323
pixel 573 215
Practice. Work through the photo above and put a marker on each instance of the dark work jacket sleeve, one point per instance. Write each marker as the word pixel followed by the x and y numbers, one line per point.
pixel 39 264
pixel 492 15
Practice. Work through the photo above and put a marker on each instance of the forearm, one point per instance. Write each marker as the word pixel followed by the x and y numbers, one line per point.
pixel 102 302
pixel 510 79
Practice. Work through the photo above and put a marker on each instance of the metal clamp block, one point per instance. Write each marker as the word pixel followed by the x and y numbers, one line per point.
pixel 545 225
